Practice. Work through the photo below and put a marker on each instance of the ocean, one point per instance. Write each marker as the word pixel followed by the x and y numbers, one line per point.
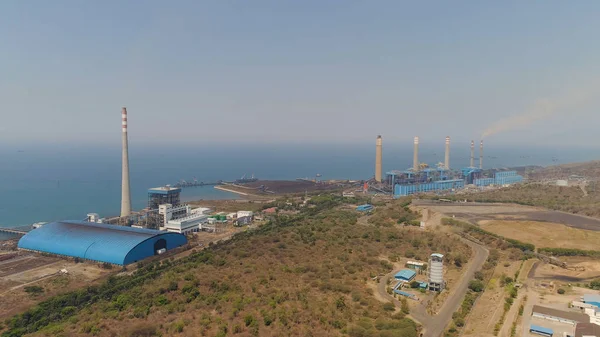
pixel 51 183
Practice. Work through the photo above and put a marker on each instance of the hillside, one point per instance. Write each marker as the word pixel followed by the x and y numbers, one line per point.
pixel 296 276
pixel 570 199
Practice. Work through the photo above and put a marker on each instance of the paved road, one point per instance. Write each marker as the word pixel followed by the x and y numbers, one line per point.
pixel 433 326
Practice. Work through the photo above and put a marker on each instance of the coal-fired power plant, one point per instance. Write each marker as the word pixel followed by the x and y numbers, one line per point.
pixel 440 178
pixel 481 155
pixel 125 193
pixel 378 173
pixel 447 154
pixel 416 155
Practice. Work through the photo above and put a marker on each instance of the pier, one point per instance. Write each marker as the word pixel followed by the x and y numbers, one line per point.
pixel 13 231
pixel 184 184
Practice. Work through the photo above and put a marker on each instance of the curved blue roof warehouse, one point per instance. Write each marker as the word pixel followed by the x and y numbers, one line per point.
pixel 99 242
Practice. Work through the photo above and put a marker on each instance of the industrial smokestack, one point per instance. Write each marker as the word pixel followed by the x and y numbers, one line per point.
pixel 472 154
pixel 416 155
pixel 125 194
pixel 481 155
pixel 378 172
pixel 447 157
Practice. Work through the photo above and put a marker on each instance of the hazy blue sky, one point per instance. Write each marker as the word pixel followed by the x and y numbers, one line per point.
pixel 298 71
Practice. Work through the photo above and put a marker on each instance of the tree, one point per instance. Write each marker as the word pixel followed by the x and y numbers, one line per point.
pixel 476 285
pixel 560 291
pixel 479 275
pixel 405 309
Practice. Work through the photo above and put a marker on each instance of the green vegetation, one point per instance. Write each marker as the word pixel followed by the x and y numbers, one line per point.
pixel 298 274
pixel 569 252
pixel 512 292
pixel 34 290
pixel 560 291
pixel 397 212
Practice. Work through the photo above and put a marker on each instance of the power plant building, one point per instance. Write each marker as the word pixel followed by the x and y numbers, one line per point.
pixel 112 244
pixel 163 195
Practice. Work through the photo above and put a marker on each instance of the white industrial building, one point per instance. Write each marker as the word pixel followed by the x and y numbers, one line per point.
pixel 169 212
pixel 231 216
pixel 241 214
pixel 436 272
pixel 189 224
pixel 555 315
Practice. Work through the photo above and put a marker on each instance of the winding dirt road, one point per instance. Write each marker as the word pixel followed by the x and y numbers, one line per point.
pixel 433 326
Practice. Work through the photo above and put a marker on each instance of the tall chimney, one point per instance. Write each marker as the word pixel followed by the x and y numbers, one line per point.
pixel 416 155
pixel 125 194
pixel 472 154
pixel 447 157
pixel 378 172
pixel 481 155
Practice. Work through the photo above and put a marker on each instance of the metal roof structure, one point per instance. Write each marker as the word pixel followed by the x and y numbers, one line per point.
pixel 541 329
pixel 437 255
pixel 566 315
pixel 405 274
pixel 587 329
pixel 99 242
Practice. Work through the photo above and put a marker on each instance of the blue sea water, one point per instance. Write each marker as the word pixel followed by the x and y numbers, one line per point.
pixel 49 183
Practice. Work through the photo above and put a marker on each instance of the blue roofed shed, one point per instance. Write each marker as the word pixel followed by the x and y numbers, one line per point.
pixel 100 242
pixel 592 299
pixel 364 208
pixel 540 330
pixel 405 275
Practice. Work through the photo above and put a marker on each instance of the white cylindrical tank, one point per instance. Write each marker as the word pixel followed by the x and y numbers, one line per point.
pixel 436 268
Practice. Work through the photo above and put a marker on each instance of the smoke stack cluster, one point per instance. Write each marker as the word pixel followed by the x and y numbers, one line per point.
pixel 447 154
pixel 125 194
pixel 378 155
pixel 416 155
pixel 472 164
pixel 481 155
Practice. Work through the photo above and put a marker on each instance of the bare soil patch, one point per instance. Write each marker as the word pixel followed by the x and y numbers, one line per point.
pixel 544 234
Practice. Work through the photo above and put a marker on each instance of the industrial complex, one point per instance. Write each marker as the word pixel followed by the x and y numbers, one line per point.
pixel 118 245
pixel 422 177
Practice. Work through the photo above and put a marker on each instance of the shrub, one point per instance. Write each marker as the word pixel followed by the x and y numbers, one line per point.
pixel 34 290
pixel 389 306
pixel 476 285
pixel 560 291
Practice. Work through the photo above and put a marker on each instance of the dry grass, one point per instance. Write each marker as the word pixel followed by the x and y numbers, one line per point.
pixel 544 234
pixel 304 278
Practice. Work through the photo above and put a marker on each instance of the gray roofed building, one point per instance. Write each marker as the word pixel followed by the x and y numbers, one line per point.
pixel 559 315
pixel 587 330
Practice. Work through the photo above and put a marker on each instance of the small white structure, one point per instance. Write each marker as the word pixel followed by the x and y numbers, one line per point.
pixel 241 214
pixel 168 212
pixel 348 194
pixel 38 224
pixel 231 216
pixel 436 272
pixel 562 183
pixel 93 217
pixel 189 224
pixel 202 210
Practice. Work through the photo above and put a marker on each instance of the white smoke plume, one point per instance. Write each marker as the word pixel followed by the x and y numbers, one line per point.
pixel 543 108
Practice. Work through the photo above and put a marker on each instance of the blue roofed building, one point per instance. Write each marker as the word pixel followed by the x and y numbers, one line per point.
pixel 405 275
pixel 592 299
pixel 100 242
pixel 540 330
pixel 364 208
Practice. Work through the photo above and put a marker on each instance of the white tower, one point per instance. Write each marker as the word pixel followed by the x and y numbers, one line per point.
pixel 125 194
pixel 447 154
pixel 416 155
pixel 436 272
pixel 472 164
pixel 378 155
